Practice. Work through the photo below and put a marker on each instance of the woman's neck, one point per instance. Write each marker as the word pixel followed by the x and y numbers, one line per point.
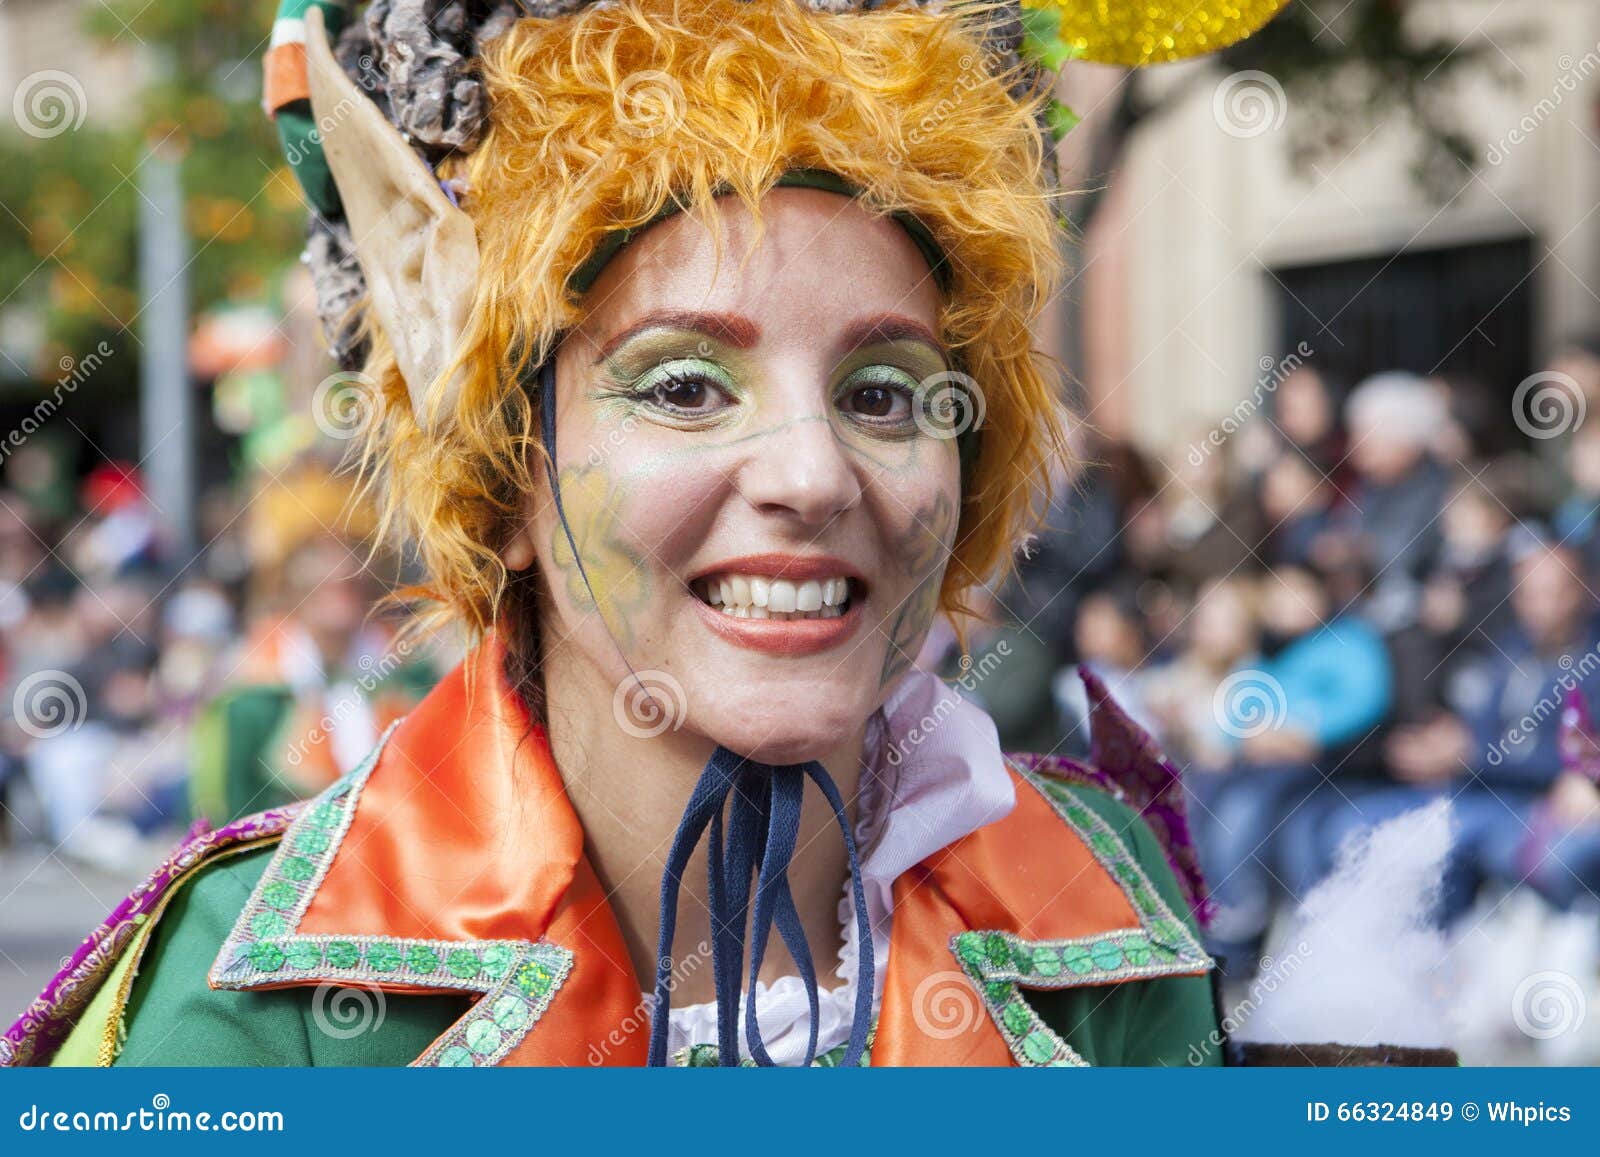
pixel 629 794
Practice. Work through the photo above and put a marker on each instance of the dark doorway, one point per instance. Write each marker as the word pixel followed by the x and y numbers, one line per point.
pixel 1465 313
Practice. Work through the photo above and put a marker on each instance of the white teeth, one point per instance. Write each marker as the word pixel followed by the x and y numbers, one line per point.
pixel 783 596
pixel 780 616
pixel 758 597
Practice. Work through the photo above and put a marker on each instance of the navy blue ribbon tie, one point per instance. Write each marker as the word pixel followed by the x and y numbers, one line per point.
pixel 763 804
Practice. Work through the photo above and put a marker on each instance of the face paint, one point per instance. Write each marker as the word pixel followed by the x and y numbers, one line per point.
pixel 926 551
pixel 762 514
pixel 618 575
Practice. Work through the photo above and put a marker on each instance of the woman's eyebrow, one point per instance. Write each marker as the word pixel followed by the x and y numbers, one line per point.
pixel 728 328
pixel 884 327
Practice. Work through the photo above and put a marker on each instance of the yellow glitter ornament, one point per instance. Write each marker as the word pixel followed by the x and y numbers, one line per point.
pixel 1139 32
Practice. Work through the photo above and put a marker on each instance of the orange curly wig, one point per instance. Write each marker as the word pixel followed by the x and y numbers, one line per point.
pixel 601 120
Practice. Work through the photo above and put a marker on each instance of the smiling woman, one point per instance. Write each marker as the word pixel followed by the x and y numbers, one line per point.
pixel 705 382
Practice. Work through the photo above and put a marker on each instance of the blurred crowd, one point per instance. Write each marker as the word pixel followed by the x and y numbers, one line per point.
pixel 1348 600
pixel 259 665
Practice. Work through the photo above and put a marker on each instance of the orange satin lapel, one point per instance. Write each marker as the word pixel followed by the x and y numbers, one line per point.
pixel 1026 873
pixel 931 1014
pixel 599 1018
pixel 1029 874
pixel 464 831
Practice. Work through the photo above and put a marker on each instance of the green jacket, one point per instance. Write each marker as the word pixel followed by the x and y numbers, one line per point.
pixel 171 1016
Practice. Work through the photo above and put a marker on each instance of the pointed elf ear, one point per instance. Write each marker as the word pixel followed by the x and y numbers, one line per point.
pixel 418 251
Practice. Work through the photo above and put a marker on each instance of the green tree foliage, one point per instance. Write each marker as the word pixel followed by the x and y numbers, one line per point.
pixel 68 232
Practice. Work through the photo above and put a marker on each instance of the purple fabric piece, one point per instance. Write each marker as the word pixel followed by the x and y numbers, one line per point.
pixel 1580 755
pixel 39 1031
pixel 1580 751
pixel 1126 761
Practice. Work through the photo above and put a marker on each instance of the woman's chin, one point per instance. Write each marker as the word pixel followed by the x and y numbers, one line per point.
pixel 782 740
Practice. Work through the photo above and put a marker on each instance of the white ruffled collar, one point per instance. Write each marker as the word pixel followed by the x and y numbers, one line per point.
pixel 934 773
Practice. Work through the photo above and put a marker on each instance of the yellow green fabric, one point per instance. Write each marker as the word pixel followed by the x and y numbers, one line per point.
pixel 81 1049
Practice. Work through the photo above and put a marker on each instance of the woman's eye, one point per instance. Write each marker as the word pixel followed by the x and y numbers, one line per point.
pixel 683 393
pixel 882 399
pixel 685 390
pixel 874 401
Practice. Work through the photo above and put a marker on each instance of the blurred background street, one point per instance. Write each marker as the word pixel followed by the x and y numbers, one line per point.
pixel 48 904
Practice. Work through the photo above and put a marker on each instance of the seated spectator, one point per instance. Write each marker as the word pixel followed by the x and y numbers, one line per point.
pixel 1496 750
pixel 1210 525
pixel 1299 504
pixel 1560 858
pixel 1304 420
pixel 1391 525
pixel 1575 518
pixel 1081 545
pixel 1110 642
pixel 1320 681
pixel 1221 632
pixel 1467 592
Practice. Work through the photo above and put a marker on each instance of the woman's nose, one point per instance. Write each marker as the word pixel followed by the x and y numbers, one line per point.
pixel 802 468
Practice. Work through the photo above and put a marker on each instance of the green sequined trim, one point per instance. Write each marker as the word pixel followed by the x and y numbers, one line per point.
pixel 1003 964
pixel 517 979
